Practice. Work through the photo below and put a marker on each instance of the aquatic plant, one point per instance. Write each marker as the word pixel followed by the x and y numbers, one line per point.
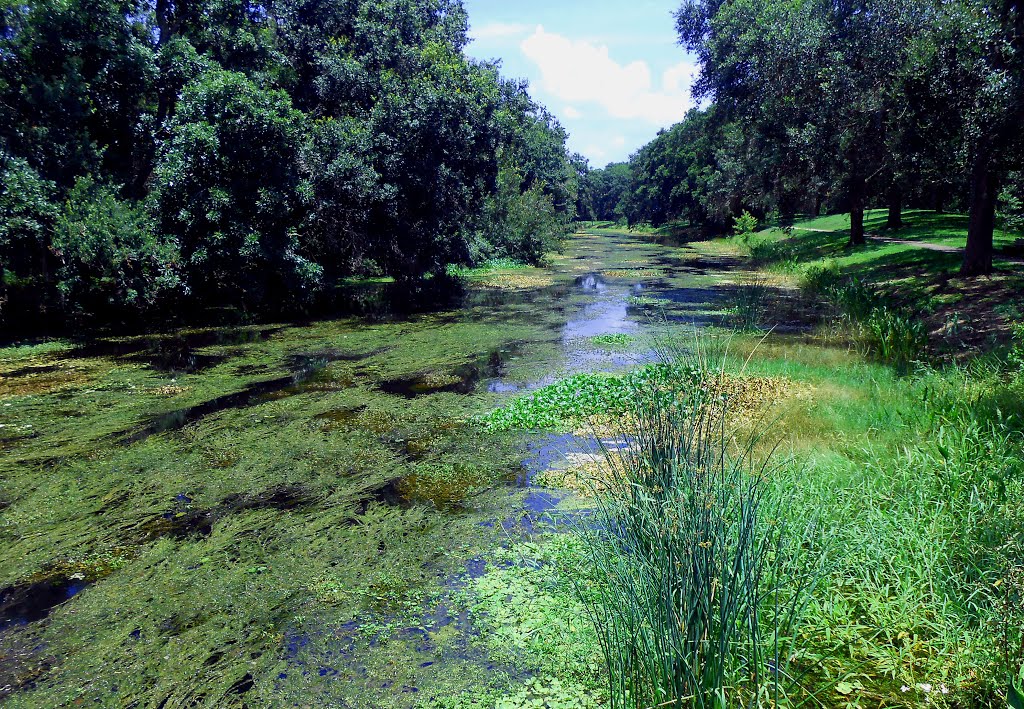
pixel 646 301
pixel 619 339
pixel 700 584
pixel 748 304
pixel 574 400
pixel 896 337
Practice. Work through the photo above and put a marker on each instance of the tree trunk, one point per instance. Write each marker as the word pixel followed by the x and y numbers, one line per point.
pixel 857 194
pixel 895 220
pixel 857 237
pixel 858 189
pixel 817 206
pixel 982 224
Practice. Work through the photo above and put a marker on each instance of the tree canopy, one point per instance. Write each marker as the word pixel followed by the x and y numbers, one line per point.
pixel 844 104
pixel 242 153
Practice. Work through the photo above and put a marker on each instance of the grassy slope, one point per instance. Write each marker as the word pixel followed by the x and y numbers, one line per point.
pixel 960 313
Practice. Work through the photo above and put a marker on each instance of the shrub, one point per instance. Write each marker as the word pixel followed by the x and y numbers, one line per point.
pixel 110 257
pixel 745 225
pixel 820 279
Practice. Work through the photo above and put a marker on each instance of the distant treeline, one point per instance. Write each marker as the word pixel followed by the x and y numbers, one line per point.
pixel 162 154
pixel 813 104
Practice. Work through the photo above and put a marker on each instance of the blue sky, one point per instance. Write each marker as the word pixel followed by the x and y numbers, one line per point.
pixel 610 70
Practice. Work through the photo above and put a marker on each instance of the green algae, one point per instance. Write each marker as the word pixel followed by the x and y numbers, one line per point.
pixel 209 545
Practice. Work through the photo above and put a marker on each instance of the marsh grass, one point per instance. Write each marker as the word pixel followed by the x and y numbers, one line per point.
pixel 748 304
pixel 700 584
pixel 889 334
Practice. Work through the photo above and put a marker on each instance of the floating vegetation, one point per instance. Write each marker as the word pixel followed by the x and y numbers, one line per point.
pixel 617 340
pixel 635 274
pixel 579 398
pixel 646 301
pixel 517 281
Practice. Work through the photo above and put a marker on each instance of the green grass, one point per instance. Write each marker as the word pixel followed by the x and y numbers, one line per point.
pixel 919 225
pixel 960 315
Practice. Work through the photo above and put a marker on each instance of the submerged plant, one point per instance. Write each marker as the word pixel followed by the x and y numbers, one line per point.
pixel 698 585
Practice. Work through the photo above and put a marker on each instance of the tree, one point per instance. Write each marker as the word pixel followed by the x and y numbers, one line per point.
pixel 993 66
pixel 608 188
pixel 25 218
pixel 109 257
pixel 278 144
pixel 228 187
pixel 810 73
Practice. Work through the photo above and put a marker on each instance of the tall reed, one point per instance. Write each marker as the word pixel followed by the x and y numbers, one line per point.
pixel 697 582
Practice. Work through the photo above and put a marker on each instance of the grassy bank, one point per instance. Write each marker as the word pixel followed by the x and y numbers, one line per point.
pixel 909 468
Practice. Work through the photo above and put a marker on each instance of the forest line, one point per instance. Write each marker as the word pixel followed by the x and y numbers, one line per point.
pixel 162 157
pixel 814 107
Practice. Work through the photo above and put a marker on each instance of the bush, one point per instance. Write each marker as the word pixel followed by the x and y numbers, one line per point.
pixel 820 279
pixel 110 257
pixel 744 226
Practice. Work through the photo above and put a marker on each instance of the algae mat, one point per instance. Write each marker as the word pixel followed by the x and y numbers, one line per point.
pixel 298 514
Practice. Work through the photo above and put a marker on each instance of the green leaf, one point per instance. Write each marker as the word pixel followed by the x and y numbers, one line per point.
pixel 1014 696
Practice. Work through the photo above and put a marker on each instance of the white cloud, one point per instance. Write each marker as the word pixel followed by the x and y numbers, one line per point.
pixel 572 113
pixel 498 30
pixel 579 71
pixel 619 141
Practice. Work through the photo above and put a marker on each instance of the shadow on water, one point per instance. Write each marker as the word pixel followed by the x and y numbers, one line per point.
pixel 23 657
pixel 176 353
pixel 463 379
pixel 31 602
pixel 184 520
pixel 308 374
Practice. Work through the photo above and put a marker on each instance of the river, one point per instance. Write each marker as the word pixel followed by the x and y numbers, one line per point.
pixel 286 513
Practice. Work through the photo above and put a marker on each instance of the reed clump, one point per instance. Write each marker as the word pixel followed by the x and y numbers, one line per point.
pixel 698 583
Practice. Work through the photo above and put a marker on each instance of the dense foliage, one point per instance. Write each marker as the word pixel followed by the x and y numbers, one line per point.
pixel 248 154
pixel 845 105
